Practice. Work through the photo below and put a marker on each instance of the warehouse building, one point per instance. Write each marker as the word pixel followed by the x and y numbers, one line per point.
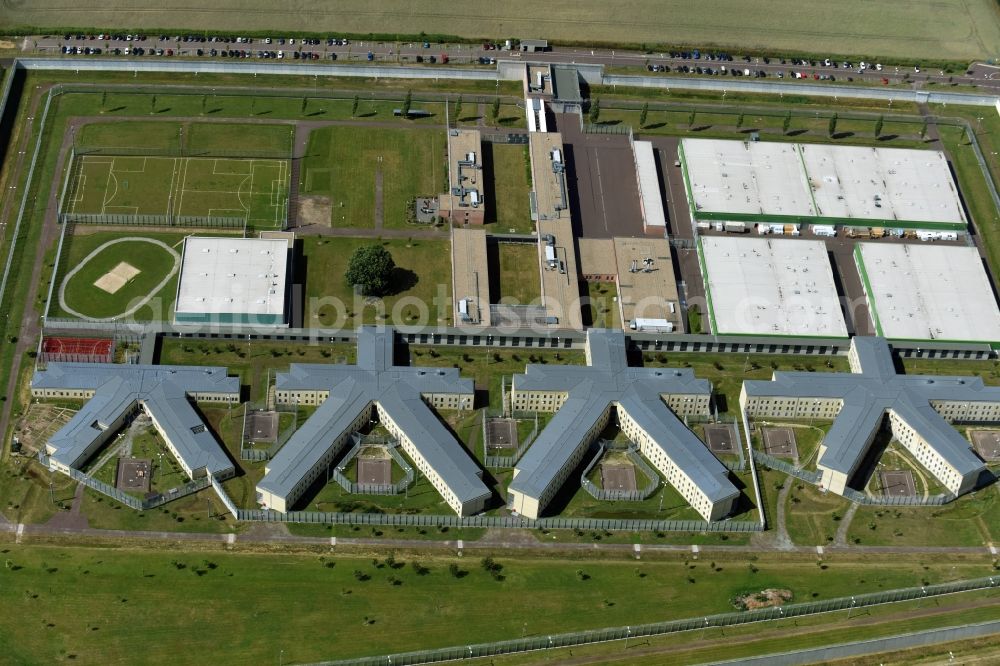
pixel 762 286
pixel 115 392
pixel 464 203
pixel 347 397
pixel 649 403
pixel 768 182
pixel 229 280
pixel 928 292
pixel 920 410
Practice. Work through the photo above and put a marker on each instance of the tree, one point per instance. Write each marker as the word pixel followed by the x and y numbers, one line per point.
pixel 595 111
pixel 643 114
pixel 305 100
pixel 787 122
pixel 407 102
pixel 878 127
pixel 354 106
pixel 458 108
pixel 923 129
pixel 104 98
pixel 739 121
pixel 832 129
pixel 691 119
pixel 371 267
pixel 495 111
pixel 152 104
pixel 204 103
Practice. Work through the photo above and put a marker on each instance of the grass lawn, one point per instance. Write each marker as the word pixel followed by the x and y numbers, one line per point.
pixel 345 163
pixel 504 171
pixel 106 605
pixel 421 284
pixel 153 261
pixel 24 491
pixel 603 307
pixel 811 516
pixel 971 520
pixel 728 372
pixel 254 191
pixel 519 279
pixel 256 362
pixel 213 139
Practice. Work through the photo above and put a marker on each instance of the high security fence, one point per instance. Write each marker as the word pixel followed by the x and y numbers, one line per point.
pixel 361 442
pixel 550 641
pixel 131 501
pixel 786 467
pixel 147 220
pixel 890 500
pixel 637 495
pixel 423 520
pixel 503 462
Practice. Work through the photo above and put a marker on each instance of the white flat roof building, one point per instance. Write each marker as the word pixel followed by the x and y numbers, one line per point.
pixel 745 178
pixel 882 184
pixel 232 280
pixel 928 292
pixel 653 219
pixel 762 286
pixel 820 183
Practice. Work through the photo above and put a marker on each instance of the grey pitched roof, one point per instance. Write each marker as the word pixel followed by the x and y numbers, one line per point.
pixel 605 382
pixel 397 390
pixel 163 389
pixel 868 394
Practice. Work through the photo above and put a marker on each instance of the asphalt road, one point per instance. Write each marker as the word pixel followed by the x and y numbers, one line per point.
pixel 980 75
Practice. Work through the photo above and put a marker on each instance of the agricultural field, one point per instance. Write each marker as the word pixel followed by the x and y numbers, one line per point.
pixel 364 177
pixel 959 29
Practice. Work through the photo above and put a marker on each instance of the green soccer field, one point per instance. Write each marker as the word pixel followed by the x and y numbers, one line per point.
pixel 249 189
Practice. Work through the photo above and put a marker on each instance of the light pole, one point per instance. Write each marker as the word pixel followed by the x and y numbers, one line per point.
pixel 851 609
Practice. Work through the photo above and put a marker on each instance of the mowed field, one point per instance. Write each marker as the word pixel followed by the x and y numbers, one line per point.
pixel 101 606
pixel 959 29
pixel 368 173
pixel 254 190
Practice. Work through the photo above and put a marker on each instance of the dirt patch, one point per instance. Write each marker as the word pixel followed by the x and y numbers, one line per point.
pixel 117 277
pixel 38 424
pixel 314 210
pixel 763 599
pixel 4 44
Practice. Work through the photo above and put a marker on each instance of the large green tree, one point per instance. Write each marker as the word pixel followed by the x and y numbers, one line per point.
pixel 371 267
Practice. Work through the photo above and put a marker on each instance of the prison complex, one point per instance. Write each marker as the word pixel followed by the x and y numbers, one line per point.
pixel 347 397
pixel 920 410
pixel 114 393
pixel 649 403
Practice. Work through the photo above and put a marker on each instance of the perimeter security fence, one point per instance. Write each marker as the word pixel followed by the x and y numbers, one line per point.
pixel 439 521
pixel 571 639
pixel 156 500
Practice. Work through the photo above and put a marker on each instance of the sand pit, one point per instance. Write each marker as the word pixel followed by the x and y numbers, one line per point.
pixel 117 277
